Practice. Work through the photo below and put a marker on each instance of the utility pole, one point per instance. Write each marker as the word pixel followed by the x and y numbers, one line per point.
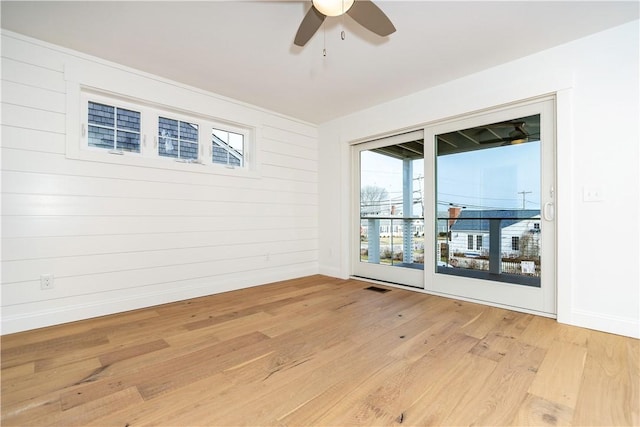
pixel 524 193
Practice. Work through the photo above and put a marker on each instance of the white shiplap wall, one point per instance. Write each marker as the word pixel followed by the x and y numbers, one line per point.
pixel 118 237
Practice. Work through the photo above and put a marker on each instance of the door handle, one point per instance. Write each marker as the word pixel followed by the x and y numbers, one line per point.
pixel 548 211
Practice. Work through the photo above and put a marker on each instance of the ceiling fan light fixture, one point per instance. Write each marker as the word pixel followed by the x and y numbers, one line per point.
pixel 332 7
pixel 517 137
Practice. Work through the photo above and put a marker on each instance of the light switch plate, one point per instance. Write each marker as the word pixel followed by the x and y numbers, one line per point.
pixel 593 194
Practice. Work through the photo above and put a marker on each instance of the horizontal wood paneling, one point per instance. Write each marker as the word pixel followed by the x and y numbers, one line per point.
pixel 51 247
pixel 39 162
pixel 36 204
pixel 297 151
pixel 18 227
pixel 33 97
pixel 284 173
pixel 52 184
pixel 290 137
pixel 32 52
pixel 32 118
pixel 30 74
pixel 68 286
pixel 287 161
pixel 32 140
pixel 121 236
pixel 67 266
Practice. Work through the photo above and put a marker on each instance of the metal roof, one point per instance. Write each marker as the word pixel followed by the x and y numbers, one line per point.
pixel 478 220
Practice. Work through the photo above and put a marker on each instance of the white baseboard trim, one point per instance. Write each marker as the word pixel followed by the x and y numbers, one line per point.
pixel 332 272
pixel 606 323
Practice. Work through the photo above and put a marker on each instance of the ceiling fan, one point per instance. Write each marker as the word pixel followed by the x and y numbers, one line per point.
pixel 518 134
pixel 364 12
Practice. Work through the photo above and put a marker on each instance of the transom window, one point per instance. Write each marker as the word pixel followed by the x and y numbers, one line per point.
pixel 154 135
pixel 177 139
pixel 113 128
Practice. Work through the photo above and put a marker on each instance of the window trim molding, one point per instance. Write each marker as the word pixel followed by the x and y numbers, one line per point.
pixel 77 95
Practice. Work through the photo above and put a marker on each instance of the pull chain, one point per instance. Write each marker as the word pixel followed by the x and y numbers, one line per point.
pixel 324 39
pixel 342 35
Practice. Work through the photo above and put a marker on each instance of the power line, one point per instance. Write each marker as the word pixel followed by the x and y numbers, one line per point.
pixel 524 193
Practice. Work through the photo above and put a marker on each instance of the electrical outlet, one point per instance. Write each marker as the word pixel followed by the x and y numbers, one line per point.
pixel 46 281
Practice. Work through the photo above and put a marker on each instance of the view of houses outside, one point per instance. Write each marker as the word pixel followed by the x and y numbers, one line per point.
pixel 387 235
pixel 491 191
pixel 467 244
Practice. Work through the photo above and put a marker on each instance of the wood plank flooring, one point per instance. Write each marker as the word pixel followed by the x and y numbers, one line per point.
pixel 319 351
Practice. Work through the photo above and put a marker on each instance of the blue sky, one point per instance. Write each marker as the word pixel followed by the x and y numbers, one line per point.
pixel 484 179
pixel 491 178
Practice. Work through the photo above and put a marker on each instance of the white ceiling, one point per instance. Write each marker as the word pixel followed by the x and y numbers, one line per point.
pixel 244 50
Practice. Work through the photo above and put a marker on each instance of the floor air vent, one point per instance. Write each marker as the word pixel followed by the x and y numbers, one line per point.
pixel 377 289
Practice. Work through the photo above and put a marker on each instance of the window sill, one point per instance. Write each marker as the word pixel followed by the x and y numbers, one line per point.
pixel 137 160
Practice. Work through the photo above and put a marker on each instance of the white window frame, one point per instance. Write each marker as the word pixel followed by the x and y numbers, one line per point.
pixel 78 98
pixel 117 103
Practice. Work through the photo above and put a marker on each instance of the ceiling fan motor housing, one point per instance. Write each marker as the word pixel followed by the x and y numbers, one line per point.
pixel 332 7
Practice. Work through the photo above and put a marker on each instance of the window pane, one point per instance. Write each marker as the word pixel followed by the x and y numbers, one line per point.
pixel 128 141
pixel 515 243
pixel 236 141
pixel 177 139
pixel 488 186
pixel 168 147
pixel 188 150
pixel 167 128
pixel 219 155
pixel 188 131
pixel 100 114
pixel 129 120
pixel 101 137
pixel 227 147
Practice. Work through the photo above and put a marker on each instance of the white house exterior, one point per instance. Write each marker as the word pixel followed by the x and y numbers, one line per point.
pixel 520 232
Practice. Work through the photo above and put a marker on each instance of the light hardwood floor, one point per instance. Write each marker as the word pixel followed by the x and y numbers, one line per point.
pixel 319 351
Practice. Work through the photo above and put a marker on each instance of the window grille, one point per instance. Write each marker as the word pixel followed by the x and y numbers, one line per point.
pixel 177 139
pixel 113 128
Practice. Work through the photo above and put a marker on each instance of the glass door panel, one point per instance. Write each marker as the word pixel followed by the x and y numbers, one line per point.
pixel 493 196
pixel 390 226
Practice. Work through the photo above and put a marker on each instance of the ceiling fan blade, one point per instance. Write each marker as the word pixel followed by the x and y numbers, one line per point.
pixel 308 27
pixel 367 14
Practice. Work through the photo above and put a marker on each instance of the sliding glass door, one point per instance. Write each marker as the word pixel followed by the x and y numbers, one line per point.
pixel 465 208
